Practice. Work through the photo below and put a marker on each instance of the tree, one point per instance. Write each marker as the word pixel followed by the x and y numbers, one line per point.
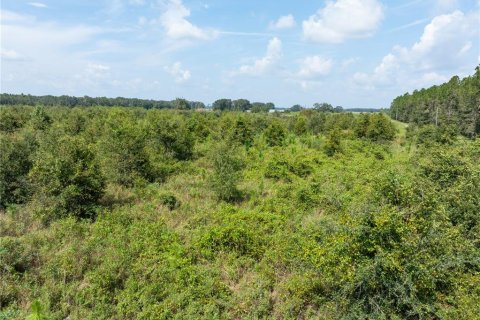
pixel 300 126
pixel 222 105
pixel 67 178
pixel 39 119
pixel 323 107
pixel 262 107
pixel 275 133
pixel 227 166
pixel 380 128
pixel 241 105
pixel 15 163
pixel 122 151
pixel 242 132
pixel 181 104
pixel 296 108
pixel 333 143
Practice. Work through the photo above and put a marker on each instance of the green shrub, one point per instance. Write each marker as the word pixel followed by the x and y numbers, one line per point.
pixel 67 179
pixel 15 163
pixel 169 200
pixel 275 133
pixel 227 169
pixel 333 143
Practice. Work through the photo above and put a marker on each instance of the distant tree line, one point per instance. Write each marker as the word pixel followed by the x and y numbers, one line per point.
pixel 86 101
pixel 455 103
pixel 242 105
pixel 321 107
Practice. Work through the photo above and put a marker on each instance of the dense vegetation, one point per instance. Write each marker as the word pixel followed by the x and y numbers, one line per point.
pixel 128 213
pixel 86 101
pixel 455 103
pixel 179 103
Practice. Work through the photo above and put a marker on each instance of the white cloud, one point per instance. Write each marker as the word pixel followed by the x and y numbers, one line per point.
pixel 179 74
pixel 9 54
pixel 284 22
pixel 93 75
pixel 444 46
pixel 177 26
pixel 50 55
pixel 261 66
pixel 94 70
pixel 315 66
pixel 343 19
pixel 38 4
pixel 13 17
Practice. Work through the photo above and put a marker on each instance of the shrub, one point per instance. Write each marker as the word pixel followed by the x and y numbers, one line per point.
pixel 15 163
pixel 333 143
pixel 227 167
pixel 169 200
pixel 67 178
pixel 275 133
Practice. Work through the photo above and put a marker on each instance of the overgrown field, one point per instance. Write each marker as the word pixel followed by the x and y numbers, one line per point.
pixel 119 213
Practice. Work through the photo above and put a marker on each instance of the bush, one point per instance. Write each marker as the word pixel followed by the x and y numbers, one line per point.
pixel 275 134
pixel 15 163
pixel 169 200
pixel 227 168
pixel 333 143
pixel 67 178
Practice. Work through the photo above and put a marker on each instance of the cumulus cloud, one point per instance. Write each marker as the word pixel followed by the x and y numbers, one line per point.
pixel 343 19
pixel 174 21
pixel 445 45
pixel 284 22
pixel 179 74
pixel 261 66
pixel 315 66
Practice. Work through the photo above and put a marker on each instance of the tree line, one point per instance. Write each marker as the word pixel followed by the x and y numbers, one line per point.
pixel 179 103
pixel 455 103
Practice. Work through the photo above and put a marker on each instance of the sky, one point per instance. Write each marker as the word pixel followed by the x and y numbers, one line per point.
pixel 352 53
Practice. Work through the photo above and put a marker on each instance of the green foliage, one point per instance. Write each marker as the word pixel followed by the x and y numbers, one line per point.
pixel 122 150
pixel 330 215
pixel 67 178
pixel 15 163
pixel 242 132
pixel 376 127
pixel 181 104
pixel 39 119
pixel 430 134
pixel 275 133
pixel 456 103
pixel 169 200
pixel 227 166
pixel 258 107
pixel 222 105
pixel 333 143
pixel 37 312
pixel 300 127
pixel 13 118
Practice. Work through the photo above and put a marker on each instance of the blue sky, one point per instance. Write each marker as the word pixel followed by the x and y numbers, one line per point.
pixel 353 53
